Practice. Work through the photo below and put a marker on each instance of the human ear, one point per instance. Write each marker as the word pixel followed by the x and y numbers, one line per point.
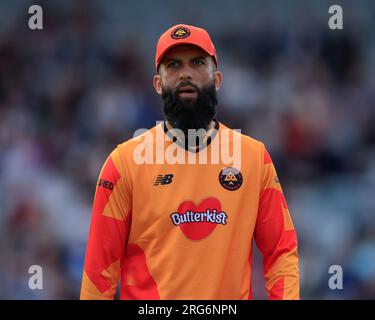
pixel 218 78
pixel 157 84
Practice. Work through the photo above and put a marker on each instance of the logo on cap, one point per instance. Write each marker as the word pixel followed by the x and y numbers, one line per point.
pixel 180 33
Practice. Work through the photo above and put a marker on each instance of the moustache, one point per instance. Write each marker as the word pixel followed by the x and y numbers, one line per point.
pixel 190 113
pixel 186 86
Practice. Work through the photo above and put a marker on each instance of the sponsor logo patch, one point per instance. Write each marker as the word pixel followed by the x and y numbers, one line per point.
pixel 199 221
pixel 230 178
pixel 105 184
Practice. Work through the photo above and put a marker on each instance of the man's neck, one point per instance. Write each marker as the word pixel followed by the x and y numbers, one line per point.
pixel 181 137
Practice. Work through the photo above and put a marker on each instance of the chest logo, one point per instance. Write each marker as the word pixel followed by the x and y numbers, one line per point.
pixel 163 179
pixel 199 221
pixel 230 178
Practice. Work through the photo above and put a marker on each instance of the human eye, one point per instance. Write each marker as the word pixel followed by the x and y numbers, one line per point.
pixel 172 64
pixel 198 61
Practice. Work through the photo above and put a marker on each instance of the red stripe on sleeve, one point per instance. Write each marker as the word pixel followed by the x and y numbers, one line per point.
pixel 105 246
pixel 106 184
pixel 287 243
pixel 137 282
pixel 270 235
pixel 277 291
pixel 267 158
pixel 107 235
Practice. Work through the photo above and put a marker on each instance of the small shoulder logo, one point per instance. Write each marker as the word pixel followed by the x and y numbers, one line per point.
pixel 105 184
pixel 180 33
pixel 163 179
pixel 230 178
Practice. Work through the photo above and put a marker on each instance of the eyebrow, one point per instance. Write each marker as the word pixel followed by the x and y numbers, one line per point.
pixel 179 60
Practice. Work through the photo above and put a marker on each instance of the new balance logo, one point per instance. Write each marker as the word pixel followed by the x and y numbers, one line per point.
pixel 163 179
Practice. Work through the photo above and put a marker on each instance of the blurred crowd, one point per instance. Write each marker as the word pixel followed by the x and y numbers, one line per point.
pixel 71 92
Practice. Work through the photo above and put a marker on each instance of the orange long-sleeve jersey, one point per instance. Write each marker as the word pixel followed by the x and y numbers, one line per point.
pixel 185 231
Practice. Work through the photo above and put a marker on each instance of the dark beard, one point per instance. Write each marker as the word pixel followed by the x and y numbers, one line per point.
pixel 187 114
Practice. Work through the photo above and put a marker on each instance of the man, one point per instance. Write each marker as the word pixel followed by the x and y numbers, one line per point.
pixel 182 230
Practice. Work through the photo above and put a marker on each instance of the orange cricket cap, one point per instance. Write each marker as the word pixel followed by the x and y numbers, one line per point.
pixel 184 34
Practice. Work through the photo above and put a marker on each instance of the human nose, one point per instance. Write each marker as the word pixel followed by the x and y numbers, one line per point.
pixel 185 74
